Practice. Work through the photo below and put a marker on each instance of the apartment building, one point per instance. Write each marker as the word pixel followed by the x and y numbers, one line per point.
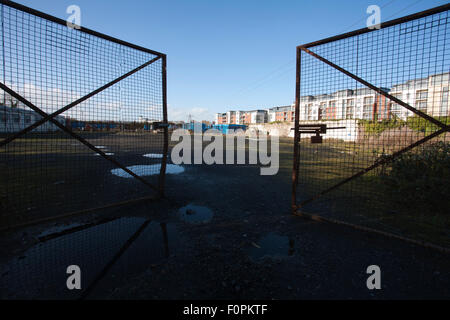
pixel 430 95
pixel 221 118
pixel 438 103
pixel 343 104
pixel 414 93
pixel 241 117
pixel 283 114
pixel 258 116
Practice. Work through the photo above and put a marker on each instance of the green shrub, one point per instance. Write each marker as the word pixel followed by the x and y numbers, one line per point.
pixel 415 123
pixel 420 124
pixel 377 127
pixel 420 180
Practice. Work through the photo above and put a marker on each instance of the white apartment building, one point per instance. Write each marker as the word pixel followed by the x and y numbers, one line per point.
pixel 430 95
pixel 438 103
pixel 240 117
pixel 343 104
pixel 283 114
pixel 258 116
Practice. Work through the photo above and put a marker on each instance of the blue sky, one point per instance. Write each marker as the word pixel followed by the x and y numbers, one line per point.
pixel 234 54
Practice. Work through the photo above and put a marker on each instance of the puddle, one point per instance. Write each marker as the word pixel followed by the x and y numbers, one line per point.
pixel 123 247
pixel 195 214
pixel 272 246
pixel 101 147
pixel 147 170
pixel 153 155
pixel 107 153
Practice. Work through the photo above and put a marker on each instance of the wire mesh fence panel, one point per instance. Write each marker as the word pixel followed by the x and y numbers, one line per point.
pixel 375 103
pixel 105 97
pixel 127 246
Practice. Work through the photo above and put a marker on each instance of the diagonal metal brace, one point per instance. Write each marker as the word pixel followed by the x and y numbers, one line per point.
pixel 48 117
pixel 114 259
pixel 379 90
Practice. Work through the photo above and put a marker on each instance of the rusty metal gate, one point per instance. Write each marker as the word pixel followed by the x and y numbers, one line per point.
pixel 83 119
pixel 371 144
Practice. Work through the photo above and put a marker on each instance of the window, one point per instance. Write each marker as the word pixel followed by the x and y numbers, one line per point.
pixel 27 118
pixel 331 110
pixel 309 112
pixel 444 102
pixel 421 100
pixel 396 109
pixel 368 108
pixel 421 105
pixel 349 106
pixel 422 94
pixel 259 118
pixel 322 108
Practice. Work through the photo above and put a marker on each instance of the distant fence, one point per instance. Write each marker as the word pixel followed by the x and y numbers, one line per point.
pixel 393 176
pixel 83 118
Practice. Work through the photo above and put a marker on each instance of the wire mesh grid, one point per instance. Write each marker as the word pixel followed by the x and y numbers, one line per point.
pixel 359 173
pixel 48 171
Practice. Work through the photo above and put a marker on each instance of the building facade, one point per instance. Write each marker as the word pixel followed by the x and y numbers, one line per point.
pixel 430 95
pixel 241 117
pixel 282 114
pixel 14 119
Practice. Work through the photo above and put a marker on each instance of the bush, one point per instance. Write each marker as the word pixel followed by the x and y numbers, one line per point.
pixel 415 123
pixel 377 127
pixel 420 124
pixel 420 179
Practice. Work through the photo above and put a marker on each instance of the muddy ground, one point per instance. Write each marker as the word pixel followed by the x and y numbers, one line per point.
pixel 222 232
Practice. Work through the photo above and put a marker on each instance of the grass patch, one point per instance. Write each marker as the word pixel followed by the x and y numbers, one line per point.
pixel 408 197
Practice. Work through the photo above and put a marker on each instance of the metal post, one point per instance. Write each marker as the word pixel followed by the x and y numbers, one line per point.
pixel 162 174
pixel 296 134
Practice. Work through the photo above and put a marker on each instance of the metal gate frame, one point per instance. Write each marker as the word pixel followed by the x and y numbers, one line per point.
pixel 443 128
pixel 51 117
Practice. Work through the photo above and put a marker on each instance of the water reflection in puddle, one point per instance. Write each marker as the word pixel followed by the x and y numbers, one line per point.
pixel 57 229
pixel 147 170
pixel 107 255
pixel 195 214
pixel 107 153
pixel 272 246
pixel 153 155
